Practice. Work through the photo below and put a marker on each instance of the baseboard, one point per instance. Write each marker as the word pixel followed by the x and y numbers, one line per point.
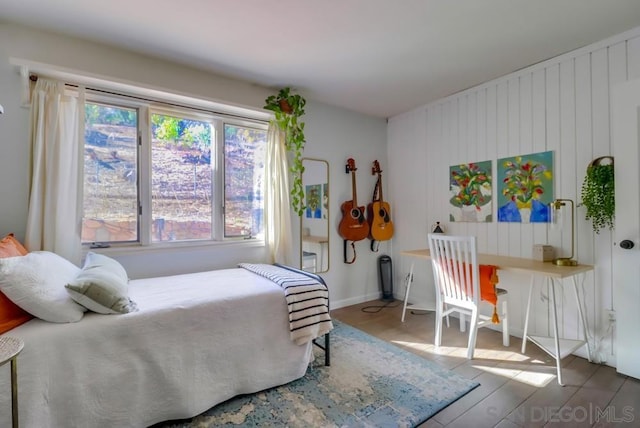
pixel 337 304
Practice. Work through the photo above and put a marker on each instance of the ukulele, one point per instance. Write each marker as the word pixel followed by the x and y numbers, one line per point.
pixel 379 212
pixel 353 226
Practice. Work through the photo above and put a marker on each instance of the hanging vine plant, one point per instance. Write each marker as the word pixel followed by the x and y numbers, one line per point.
pixel 598 193
pixel 288 109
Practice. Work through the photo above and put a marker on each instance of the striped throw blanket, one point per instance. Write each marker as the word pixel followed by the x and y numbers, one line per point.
pixel 307 300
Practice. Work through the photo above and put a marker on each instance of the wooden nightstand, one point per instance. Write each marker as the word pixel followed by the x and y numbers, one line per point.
pixel 10 347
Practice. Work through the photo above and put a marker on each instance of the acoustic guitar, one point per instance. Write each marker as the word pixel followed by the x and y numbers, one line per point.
pixel 353 226
pixel 379 211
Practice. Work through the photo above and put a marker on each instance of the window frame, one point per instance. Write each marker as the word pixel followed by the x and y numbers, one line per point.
pixel 222 183
pixel 145 108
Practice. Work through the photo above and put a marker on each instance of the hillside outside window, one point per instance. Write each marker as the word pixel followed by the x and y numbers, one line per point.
pixel 156 174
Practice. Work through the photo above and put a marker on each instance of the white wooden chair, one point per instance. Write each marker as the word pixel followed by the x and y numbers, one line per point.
pixel 309 261
pixel 457 279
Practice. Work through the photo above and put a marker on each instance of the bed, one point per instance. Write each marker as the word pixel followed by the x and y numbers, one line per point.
pixel 196 340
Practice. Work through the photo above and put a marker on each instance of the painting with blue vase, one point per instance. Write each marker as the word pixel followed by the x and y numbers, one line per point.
pixel 525 188
pixel 313 205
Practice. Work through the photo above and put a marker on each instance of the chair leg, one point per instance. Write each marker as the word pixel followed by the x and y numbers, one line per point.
pixel 505 324
pixel 446 308
pixel 437 340
pixel 462 323
pixel 473 333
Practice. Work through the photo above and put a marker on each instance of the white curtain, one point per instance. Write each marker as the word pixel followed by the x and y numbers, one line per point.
pixel 55 198
pixel 278 231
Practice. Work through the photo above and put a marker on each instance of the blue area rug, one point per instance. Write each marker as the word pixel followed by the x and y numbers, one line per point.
pixel 370 383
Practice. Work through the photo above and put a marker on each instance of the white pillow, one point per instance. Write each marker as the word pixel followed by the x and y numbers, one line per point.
pixel 36 282
pixel 102 286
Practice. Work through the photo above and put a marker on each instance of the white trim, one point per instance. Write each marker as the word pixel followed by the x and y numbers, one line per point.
pixel 116 250
pixel 25 93
pixel 128 87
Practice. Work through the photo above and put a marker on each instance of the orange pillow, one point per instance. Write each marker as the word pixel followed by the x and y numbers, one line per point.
pixel 11 247
pixel 11 315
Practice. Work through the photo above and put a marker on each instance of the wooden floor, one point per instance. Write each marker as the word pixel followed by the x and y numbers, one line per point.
pixel 515 389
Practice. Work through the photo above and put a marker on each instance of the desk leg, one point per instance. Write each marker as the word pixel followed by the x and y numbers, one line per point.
pixel 409 280
pixel 14 392
pixel 556 336
pixel 526 318
pixel 582 317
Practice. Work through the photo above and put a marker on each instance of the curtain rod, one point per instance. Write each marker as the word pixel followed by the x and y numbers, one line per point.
pixel 34 78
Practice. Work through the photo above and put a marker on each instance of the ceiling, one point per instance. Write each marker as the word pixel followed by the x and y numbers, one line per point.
pixel 378 57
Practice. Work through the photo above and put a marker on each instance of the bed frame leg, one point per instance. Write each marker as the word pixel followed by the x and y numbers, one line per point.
pixel 327 351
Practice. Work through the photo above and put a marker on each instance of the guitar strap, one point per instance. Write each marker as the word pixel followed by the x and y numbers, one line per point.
pixel 376 197
pixel 376 191
pixel 353 247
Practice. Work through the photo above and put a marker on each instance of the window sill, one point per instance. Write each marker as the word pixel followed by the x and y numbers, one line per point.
pixel 175 247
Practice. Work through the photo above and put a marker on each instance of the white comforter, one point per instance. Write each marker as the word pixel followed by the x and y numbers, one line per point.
pixel 197 340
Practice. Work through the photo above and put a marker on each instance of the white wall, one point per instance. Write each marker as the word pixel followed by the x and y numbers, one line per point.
pixel 333 134
pixel 562 105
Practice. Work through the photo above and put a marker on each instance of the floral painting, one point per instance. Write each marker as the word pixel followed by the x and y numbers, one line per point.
pixel 313 198
pixel 470 188
pixel 525 188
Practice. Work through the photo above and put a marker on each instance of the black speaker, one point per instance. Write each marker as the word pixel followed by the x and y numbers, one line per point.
pixel 385 277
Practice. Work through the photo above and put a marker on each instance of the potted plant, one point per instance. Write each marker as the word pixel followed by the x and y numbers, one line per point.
pixel 598 193
pixel 288 108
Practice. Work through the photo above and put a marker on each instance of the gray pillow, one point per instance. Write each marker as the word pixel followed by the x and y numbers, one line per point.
pixel 102 286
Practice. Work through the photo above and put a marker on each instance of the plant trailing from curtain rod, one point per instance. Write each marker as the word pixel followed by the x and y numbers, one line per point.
pixel 598 193
pixel 288 109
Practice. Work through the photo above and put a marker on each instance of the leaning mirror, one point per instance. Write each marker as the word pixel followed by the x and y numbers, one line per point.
pixel 314 224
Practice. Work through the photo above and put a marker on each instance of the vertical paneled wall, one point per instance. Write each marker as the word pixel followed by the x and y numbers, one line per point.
pixel 562 105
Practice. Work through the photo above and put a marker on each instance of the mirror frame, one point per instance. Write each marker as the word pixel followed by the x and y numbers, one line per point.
pixel 324 245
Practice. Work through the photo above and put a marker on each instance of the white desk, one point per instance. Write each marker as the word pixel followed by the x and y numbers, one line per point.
pixel 321 241
pixel 555 346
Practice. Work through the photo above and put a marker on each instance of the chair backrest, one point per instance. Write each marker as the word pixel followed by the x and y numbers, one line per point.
pixel 455 268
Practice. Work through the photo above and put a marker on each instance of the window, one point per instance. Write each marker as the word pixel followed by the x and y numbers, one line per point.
pixel 162 174
pixel 244 152
pixel 110 191
pixel 181 178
